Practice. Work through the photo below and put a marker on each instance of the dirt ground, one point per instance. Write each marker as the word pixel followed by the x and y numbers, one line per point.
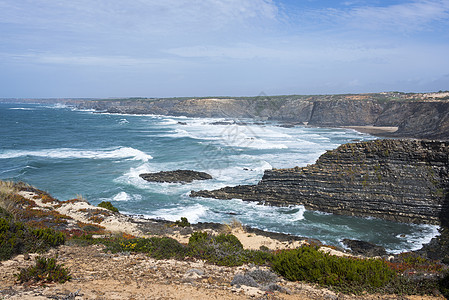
pixel 100 275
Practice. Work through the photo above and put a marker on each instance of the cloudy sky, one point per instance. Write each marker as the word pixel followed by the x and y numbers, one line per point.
pixel 155 48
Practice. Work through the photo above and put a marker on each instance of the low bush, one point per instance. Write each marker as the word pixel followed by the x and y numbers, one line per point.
pixel 45 270
pixel 16 238
pixel 224 249
pixel 157 247
pixel 108 205
pixel 345 274
pixel 183 222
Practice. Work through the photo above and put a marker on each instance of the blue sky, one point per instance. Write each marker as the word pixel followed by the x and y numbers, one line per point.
pixel 153 48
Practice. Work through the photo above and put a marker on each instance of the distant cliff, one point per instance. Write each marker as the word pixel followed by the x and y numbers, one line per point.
pixel 399 180
pixel 415 115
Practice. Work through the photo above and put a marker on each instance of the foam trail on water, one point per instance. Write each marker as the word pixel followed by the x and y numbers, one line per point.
pixel 422 235
pixel 67 153
pixel 132 176
pixel 21 108
pixel 193 213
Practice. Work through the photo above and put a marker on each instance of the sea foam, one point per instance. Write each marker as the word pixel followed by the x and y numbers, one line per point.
pixel 70 153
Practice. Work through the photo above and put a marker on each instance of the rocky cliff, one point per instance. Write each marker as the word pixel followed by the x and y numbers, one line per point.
pixel 414 115
pixel 399 180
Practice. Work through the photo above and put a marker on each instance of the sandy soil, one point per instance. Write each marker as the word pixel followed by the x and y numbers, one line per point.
pixel 373 129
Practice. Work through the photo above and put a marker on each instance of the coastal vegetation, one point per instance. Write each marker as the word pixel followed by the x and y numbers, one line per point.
pixel 404 274
pixel 45 270
pixel 407 274
pixel 17 238
pixel 108 205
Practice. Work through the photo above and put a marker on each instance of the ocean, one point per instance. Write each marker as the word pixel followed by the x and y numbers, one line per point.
pixel 69 152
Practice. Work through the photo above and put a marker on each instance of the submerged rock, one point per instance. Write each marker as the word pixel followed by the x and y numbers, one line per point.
pixel 182 176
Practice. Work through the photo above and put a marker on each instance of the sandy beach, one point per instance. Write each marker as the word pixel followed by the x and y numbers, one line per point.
pixel 374 130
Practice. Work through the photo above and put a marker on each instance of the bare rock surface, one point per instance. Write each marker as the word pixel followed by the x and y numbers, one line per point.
pixel 364 248
pixel 398 180
pixel 182 176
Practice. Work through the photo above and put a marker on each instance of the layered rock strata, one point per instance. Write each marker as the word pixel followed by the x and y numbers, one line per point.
pixel 399 180
pixel 413 115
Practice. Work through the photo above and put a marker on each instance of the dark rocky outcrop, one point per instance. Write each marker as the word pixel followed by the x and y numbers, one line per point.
pixel 364 248
pixel 183 176
pixel 399 180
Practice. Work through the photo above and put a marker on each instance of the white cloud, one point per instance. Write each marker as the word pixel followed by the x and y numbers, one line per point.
pixel 143 15
pixel 96 61
pixel 304 51
pixel 411 16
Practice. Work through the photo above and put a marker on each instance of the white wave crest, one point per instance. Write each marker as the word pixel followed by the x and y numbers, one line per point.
pixel 193 213
pixel 122 196
pixel 70 153
pixel 168 122
pixel 416 240
pixel 21 108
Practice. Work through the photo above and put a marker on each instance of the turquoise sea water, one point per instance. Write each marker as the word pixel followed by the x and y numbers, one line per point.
pixel 68 152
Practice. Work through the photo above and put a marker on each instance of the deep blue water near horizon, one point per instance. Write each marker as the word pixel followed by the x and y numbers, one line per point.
pixel 68 152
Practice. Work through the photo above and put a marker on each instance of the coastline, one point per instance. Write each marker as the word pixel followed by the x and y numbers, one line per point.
pixel 381 131
pixel 97 274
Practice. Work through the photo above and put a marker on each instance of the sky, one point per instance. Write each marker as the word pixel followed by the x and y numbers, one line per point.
pixel 171 48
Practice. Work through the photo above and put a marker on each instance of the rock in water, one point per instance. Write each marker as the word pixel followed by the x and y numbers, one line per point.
pixel 364 248
pixel 182 176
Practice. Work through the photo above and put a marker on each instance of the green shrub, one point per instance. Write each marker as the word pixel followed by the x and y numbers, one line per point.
pixel 108 205
pixel 183 222
pixel 16 238
pixel 346 274
pixel 198 237
pixel 49 236
pixel 157 247
pixel 45 270
pixel 224 249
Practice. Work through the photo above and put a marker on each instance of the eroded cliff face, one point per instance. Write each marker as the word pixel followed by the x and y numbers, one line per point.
pixel 399 180
pixel 414 118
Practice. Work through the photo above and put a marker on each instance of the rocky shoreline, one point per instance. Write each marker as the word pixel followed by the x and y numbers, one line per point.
pixel 424 116
pixel 398 180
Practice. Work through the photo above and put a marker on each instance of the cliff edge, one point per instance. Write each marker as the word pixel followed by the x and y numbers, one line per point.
pixel 414 115
pixel 398 180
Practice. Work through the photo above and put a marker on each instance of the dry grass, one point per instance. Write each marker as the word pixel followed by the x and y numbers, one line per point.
pixel 7 187
pixel 81 198
pixel 7 191
pixel 229 227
